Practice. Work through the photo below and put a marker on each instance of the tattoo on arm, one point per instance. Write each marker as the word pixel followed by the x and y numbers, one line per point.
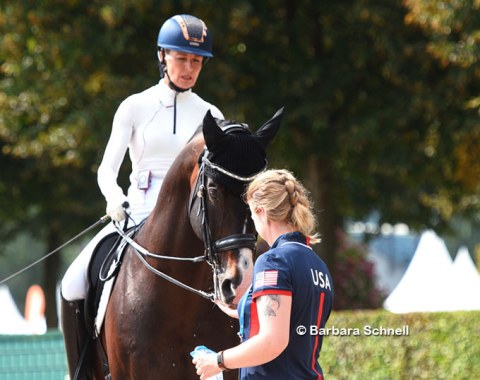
pixel 270 304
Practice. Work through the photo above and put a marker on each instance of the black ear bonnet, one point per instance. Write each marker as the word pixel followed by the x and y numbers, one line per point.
pixel 235 148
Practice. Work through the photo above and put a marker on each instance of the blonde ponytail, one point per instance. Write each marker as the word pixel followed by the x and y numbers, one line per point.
pixel 284 199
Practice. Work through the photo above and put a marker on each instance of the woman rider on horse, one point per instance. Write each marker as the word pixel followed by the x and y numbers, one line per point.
pixel 154 125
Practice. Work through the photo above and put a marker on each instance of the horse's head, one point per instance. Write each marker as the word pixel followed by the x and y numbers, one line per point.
pixel 218 214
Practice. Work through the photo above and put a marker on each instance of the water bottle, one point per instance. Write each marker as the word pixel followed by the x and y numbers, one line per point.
pixel 201 349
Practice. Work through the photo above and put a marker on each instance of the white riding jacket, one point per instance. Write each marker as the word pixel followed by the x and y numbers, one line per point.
pixel 144 123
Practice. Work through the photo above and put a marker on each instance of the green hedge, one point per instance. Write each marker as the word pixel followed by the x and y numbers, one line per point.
pixel 438 346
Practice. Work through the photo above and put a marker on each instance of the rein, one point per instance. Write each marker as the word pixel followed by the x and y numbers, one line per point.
pixel 141 252
pixel 212 249
pixel 102 220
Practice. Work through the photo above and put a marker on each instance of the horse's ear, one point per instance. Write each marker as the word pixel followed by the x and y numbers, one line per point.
pixel 212 133
pixel 267 131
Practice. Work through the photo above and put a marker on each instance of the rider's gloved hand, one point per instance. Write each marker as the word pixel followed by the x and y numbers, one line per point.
pixel 116 208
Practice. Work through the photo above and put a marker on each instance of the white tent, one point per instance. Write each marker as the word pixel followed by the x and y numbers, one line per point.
pixel 427 283
pixel 466 280
pixel 11 321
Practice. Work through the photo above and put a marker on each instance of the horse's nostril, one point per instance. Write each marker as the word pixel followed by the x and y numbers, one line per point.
pixel 227 286
pixel 227 290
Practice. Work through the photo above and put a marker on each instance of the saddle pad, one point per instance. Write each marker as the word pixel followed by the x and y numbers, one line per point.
pixel 102 306
pixel 102 272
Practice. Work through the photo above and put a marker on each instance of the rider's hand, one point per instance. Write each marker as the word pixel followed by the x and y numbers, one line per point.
pixel 115 209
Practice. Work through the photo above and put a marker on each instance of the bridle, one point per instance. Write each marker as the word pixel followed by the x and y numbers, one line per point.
pixel 212 248
pixel 231 242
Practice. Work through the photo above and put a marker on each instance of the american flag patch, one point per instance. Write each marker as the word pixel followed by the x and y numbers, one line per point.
pixel 266 278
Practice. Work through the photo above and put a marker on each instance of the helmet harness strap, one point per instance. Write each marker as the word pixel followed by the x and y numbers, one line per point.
pixel 171 84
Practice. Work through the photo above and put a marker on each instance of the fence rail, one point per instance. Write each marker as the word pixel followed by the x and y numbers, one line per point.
pixel 33 357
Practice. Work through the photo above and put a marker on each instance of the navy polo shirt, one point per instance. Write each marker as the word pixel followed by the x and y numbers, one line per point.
pixel 290 268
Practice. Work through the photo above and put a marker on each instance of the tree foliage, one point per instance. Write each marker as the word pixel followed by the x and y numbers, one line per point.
pixel 59 91
pixel 374 120
pixel 453 30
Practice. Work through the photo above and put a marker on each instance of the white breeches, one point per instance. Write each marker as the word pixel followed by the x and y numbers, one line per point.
pixel 74 282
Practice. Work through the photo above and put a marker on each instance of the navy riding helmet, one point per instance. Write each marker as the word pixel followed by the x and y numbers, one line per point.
pixel 187 34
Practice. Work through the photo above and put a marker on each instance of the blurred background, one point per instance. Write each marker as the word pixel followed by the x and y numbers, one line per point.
pixel 382 102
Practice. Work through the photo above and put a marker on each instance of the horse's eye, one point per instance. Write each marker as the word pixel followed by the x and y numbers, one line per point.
pixel 212 193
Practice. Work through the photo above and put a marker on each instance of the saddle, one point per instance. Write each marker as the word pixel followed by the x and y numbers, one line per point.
pixel 104 266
